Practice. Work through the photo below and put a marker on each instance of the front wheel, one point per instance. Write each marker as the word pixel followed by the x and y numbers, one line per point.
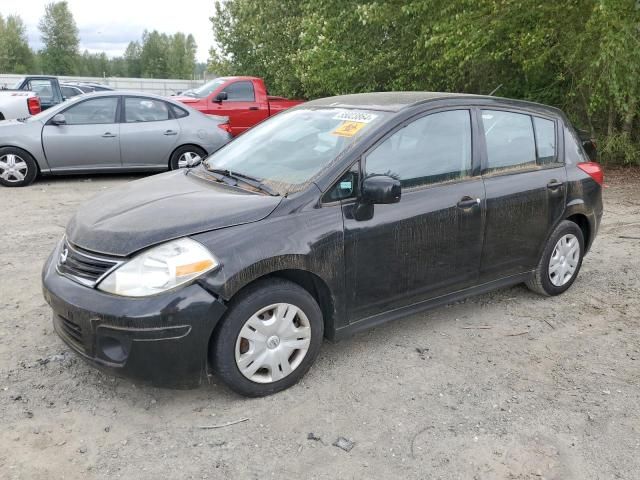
pixel 560 262
pixel 268 339
pixel 17 167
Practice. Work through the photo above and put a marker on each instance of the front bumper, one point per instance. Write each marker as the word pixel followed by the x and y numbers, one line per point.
pixel 163 338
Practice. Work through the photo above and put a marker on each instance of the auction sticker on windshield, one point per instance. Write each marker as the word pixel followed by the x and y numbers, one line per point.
pixel 348 129
pixel 362 117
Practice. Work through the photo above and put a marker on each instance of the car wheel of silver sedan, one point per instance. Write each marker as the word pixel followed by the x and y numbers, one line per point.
pixel 186 156
pixel 17 167
pixel 268 339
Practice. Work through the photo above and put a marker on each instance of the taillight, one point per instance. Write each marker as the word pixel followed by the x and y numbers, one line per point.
pixel 225 126
pixel 33 103
pixel 594 170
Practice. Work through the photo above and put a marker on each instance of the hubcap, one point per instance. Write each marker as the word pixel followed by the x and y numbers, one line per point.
pixel 13 168
pixel 273 343
pixel 188 159
pixel 564 260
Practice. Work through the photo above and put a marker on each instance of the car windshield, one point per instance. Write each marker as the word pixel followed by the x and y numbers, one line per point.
pixel 288 150
pixel 206 89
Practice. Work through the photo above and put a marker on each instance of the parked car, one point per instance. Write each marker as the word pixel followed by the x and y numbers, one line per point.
pixel 89 87
pixel 244 100
pixel 18 103
pixel 70 91
pixel 330 218
pixel 107 132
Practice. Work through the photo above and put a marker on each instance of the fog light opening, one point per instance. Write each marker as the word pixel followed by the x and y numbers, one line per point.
pixel 113 349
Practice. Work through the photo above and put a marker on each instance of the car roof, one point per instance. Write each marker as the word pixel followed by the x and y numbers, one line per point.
pixel 397 101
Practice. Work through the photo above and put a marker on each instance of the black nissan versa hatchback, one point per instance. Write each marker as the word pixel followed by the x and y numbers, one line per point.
pixel 332 217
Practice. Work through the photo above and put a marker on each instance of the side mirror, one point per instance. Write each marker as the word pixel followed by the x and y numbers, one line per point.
pixel 380 189
pixel 221 96
pixel 58 119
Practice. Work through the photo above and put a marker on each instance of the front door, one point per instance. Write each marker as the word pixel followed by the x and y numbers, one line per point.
pixel 430 242
pixel 240 106
pixel 89 139
pixel 526 189
pixel 148 134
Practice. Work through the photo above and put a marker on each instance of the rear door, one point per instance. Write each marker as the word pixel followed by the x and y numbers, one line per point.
pixel 241 106
pixel 90 138
pixel 430 242
pixel 525 185
pixel 148 133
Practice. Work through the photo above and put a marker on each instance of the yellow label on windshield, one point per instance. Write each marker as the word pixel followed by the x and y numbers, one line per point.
pixel 348 129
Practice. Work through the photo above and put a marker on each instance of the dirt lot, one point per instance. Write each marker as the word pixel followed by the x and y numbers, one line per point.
pixel 507 385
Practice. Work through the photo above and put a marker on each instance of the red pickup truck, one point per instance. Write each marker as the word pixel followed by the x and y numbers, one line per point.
pixel 244 100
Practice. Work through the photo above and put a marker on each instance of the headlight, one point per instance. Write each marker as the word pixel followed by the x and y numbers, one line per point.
pixel 159 269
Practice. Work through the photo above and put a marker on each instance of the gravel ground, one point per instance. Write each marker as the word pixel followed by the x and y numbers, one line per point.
pixel 507 385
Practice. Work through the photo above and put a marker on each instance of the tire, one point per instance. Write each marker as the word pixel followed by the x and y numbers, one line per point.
pixel 177 159
pixel 263 354
pixel 553 278
pixel 17 167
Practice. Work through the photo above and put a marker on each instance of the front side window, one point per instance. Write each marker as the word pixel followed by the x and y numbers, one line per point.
pixel 510 140
pixel 432 149
pixel 240 92
pixel 545 140
pixel 140 109
pixel 288 150
pixel 94 111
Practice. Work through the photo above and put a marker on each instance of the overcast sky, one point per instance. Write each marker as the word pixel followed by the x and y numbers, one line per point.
pixel 109 25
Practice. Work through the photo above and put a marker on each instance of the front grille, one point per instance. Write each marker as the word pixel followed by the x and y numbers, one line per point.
pixel 73 331
pixel 83 266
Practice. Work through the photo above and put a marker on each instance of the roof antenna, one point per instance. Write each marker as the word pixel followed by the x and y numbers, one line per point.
pixel 495 90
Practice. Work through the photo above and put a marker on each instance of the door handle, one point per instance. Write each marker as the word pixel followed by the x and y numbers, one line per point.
pixel 553 184
pixel 108 135
pixel 468 202
pixel 170 132
pixel 253 108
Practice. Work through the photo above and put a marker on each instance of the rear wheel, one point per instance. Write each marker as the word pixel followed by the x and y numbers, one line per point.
pixel 560 262
pixel 186 156
pixel 17 167
pixel 269 338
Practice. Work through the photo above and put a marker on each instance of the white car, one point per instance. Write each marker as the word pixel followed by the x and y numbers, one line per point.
pixel 18 104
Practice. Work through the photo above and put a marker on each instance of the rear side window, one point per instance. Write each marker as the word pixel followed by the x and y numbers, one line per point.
pixel 573 151
pixel 240 92
pixel 545 140
pixel 179 112
pixel 140 109
pixel 510 140
pixel 434 148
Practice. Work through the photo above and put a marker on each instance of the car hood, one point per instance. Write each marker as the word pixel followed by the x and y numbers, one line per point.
pixel 186 99
pixel 160 208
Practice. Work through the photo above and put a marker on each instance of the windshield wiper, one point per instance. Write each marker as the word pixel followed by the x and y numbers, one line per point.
pixel 254 182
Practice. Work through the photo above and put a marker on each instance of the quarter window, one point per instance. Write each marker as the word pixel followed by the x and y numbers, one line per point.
pixel 432 149
pixel 240 92
pixel 97 110
pixel 179 112
pixel 510 140
pixel 545 140
pixel 140 109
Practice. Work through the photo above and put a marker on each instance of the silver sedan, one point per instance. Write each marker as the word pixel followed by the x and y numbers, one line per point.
pixel 107 132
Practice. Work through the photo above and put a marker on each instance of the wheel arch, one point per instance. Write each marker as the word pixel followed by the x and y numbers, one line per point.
pixel 35 159
pixel 311 282
pixel 582 221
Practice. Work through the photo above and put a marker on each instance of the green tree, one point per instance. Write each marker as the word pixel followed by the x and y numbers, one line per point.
pixel 132 58
pixel 154 55
pixel 60 38
pixel 15 54
pixel 181 57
